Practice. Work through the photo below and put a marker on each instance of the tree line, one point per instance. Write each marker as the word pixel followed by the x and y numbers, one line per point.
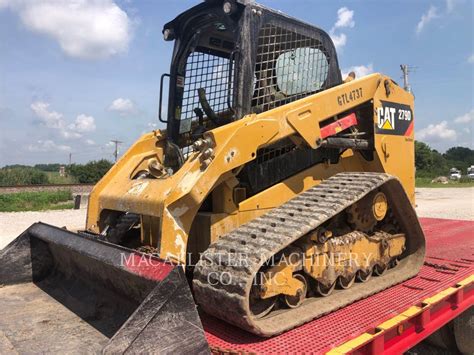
pixel 430 163
pixel 40 174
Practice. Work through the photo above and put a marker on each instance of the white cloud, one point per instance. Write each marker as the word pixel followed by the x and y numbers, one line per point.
pixel 48 146
pixel 449 5
pixel 55 120
pixel 50 119
pixel 70 134
pixel 339 40
pixel 426 18
pixel 359 70
pixel 466 118
pixel 83 124
pixel 436 132
pixel 345 18
pixel 124 107
pixel 90 142
pixel 87 29
pixel 471 59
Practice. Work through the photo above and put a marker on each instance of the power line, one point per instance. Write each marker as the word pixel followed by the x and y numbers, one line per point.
pixel 117 142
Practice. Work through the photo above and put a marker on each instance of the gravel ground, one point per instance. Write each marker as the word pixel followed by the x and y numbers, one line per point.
pixel 13 223
pixel 446 202
pixel 452 203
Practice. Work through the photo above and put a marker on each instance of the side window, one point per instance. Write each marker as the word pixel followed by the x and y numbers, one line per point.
pixel 301 70
pixel 289 66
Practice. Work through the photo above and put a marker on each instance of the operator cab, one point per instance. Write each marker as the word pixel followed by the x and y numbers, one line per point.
pixel 232 58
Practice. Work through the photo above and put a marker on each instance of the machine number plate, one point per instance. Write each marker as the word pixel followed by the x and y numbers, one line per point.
pixel 350 96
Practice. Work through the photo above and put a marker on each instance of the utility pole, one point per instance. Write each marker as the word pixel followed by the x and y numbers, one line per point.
pixel 117 142
pixel 406 69
pixel 70 158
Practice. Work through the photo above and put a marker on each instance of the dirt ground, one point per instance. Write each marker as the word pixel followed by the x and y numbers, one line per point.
pixel 451 203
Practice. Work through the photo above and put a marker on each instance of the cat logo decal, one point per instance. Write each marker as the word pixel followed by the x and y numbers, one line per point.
pixel 394 118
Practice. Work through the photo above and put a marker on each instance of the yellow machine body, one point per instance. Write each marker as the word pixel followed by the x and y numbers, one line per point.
pixel 169 204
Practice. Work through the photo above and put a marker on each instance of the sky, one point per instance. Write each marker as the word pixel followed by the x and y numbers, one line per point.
pixel 76 74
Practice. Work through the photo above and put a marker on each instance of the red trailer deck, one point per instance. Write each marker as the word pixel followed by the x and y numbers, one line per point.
pixel 393 320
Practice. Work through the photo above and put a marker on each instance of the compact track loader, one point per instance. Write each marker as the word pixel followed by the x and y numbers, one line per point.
pixel 278 193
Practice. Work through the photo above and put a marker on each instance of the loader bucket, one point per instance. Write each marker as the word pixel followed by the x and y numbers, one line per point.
pixel 71 293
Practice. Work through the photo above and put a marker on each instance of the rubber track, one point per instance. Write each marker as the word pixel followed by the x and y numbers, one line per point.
pixel 222 288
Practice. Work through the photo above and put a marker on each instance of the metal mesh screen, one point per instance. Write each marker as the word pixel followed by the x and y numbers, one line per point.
pixel 289 66
pixel 211 73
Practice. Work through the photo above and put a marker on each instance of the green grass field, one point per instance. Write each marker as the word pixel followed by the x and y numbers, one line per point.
pixel 426 182
pixel 36 201
pixel 54 178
